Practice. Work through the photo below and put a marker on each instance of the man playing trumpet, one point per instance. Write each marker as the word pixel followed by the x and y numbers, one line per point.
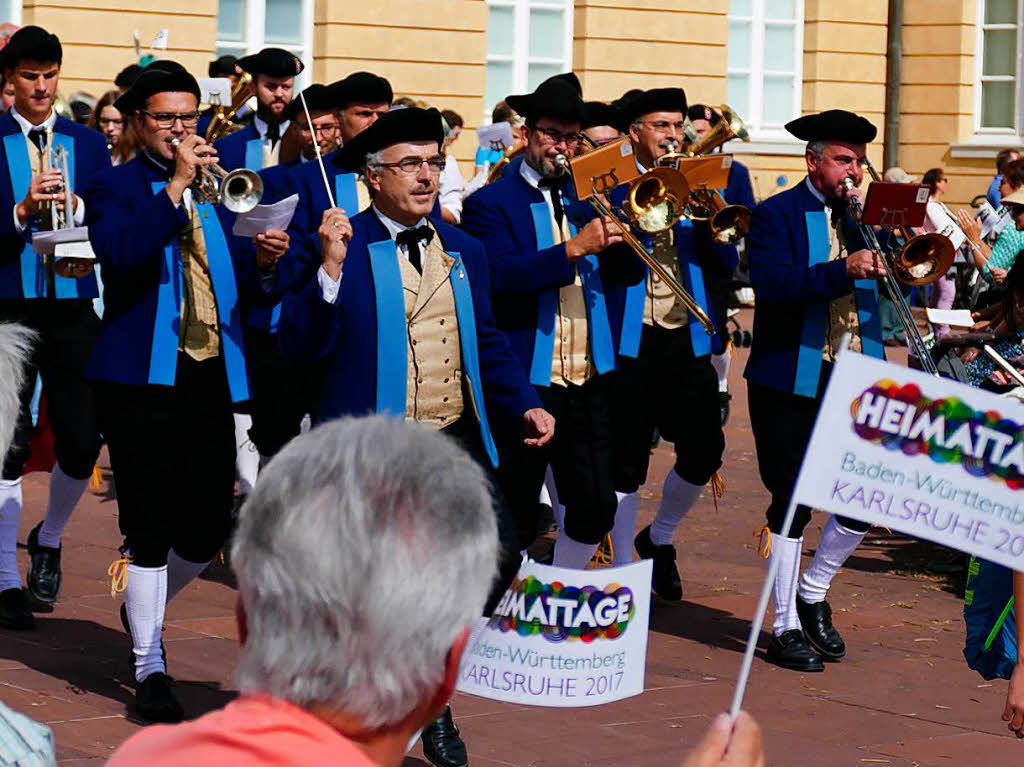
pixel 58 308
pixel 169 361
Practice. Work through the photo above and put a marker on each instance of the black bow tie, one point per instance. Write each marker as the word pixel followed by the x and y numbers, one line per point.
pixel 555 184
pixel 35 135
pixel 273 133
pixel 411 239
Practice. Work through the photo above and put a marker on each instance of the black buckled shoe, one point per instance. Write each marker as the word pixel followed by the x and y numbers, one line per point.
pixel 441 742
pixel 790 650
pixel 665 578
pixel 155 700
pixel 14 612
pixel 43 572
pixel 816 619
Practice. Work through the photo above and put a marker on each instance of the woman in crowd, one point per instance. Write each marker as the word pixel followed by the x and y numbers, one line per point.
pixel 111 123
pixel 995 261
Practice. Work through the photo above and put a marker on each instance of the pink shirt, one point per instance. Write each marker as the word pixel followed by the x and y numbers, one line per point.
pixel 253 731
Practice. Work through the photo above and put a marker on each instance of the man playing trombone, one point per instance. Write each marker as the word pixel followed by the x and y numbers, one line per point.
pixel 169 361
pixel 58 307
pixel 815 282
pixel 550 283
pixel 664 348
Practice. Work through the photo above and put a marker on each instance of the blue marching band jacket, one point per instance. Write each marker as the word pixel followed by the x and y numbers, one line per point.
pixel 788 249
pixel 513 221
pixel 361 338
pixel 694 246
pixel 23 272
pixel 241 149
pixel 134 228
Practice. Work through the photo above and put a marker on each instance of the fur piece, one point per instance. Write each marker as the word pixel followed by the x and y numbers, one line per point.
pixel 15 350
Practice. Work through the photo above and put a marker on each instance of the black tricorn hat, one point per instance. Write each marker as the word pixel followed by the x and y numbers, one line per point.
pixel 362 88
pixel 395 127
pixel 33 43
pixel 127 76
pixel 318 99
pixel 153 81
pixel 273 62
pixel 555 97
pixel 598 113
pixel 833 125
pixel 703 112
pixel 654 100
pixel 223 66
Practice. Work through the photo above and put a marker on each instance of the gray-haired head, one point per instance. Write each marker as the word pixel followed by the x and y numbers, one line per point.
pixel 817 147
pixel 364 550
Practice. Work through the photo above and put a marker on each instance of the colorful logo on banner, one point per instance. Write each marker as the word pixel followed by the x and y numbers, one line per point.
pixel 559 613
pixel 947 430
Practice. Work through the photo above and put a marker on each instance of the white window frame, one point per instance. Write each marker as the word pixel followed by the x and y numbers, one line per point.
pixel 755 73
pixel 16 12
pixel 980 132
pixel 254 34
pixel 520 57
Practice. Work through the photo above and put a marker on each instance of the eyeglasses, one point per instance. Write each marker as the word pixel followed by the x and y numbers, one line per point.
pixel 410 166
pixel 320 129
pixel 557 137
pixel 662 126
pixel 167 119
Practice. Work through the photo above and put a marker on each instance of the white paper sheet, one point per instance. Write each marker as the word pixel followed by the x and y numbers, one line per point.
pixel 961 318
pixel 45 242
pixel 266 218
pixel 495 136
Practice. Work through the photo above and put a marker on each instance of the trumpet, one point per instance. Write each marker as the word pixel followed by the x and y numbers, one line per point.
pixel 55 217
pixel 239 191
pixel 654 202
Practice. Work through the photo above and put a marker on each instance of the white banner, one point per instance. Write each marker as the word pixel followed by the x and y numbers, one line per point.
pixel 565 638
pixel 926 456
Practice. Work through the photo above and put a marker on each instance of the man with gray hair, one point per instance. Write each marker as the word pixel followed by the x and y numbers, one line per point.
pixel 347 555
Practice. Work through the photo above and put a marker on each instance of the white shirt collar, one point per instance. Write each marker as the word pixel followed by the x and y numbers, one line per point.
pixel 530 174
pixel 262 125
pixel 393 226
pixel 26 126
pixel 639 167
pixel 818 195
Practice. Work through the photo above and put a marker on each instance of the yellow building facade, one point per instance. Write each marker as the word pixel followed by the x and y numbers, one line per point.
pixel 770 59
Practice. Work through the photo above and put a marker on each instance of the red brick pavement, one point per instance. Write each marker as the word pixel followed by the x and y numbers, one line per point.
pixel 902 697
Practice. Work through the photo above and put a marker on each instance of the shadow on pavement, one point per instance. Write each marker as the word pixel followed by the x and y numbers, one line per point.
pixel 699 623
pixel 92 658
pixel 912 557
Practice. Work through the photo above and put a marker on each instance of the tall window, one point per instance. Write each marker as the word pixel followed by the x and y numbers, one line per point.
pixel 999 54
pixel 527 42
pixel 246 26
pixel 765 61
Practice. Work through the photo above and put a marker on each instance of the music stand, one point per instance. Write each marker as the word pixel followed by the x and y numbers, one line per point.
pixel 600 171
pixel 893 206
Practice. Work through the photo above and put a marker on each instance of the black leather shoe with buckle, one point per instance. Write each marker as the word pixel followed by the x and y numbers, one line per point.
pixel 155 700
pixel 43 571
pixel 665 577
pixel 790 650
pixel 441 742
pixel 14 612
pixel 816 619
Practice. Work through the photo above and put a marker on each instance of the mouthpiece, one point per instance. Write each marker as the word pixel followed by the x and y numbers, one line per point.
pixel 562 161
pixel 849 183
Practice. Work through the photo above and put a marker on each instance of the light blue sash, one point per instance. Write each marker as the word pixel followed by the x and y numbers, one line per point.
pixel 602 348
pixel 392 335
pixel 33 265
pixel 812 336
pixel 254 154
pixel 163 361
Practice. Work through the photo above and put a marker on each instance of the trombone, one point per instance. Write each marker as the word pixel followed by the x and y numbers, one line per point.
pixel 655 201
pixel 221 123
pixel 920 260
pixel 239 191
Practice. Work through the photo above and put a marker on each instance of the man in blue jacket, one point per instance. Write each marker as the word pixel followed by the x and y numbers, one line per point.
pixel 664 350
pixel 397 307
pixel 258 144
pixel 57 307
pixel 169 361
pixel 549 297
pixel 815 282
